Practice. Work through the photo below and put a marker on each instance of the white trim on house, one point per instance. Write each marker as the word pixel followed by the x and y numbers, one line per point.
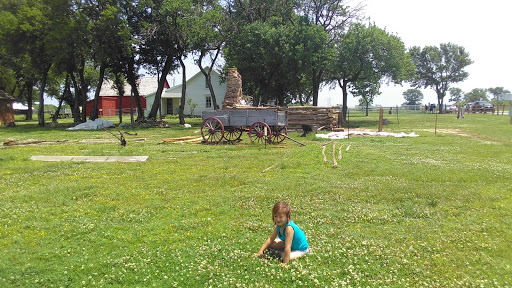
pixel 196 90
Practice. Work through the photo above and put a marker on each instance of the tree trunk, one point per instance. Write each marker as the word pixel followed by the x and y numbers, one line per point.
pixel 183 93
pixel 207 75
pixel 66 88
pixel 161 82
pixel 75 108
pixel 132 80
pixel 83 92
pixel 343 85
pixel 30 90
pixel 120 89
pixel 40 114
pixel 94 111
pixel 317 75
pixel 440 104
pixel 131 108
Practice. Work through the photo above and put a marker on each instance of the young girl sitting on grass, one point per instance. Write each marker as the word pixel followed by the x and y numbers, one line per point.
pixel 291 243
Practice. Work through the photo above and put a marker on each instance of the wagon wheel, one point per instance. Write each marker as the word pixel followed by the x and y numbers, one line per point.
pixel 260 133
pixel 232 134
pixel 212 130
pixel 278 134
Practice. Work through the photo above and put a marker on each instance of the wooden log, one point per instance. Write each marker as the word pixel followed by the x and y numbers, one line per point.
pixel 334 163
pixel 288 137
pixel 179 139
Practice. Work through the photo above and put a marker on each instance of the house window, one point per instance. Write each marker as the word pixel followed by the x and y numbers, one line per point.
pixel 208 101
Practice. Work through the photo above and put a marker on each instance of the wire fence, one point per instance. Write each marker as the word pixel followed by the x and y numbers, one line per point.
pixel 115 112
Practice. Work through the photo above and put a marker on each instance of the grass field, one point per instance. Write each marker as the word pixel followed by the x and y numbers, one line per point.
pixel 427 211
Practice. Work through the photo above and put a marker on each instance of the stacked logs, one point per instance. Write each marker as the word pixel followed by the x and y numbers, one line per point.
pixel 311 115
pixel 304 115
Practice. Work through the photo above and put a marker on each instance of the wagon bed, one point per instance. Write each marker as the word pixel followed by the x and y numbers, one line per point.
pixel 263 126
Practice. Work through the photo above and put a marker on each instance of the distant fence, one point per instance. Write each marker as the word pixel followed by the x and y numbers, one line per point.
pixel 63 113
pixel 420 108
pixel 115 112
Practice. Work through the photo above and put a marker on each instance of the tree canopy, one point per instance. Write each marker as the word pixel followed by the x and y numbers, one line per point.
pixel 439 67
pixel 369 53
pixel 476 94
pixel 285 50
pixel 456 94
pixel 292 49
pixel 413 96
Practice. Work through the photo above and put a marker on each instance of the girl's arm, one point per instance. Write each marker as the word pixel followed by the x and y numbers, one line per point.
pixel 288 232
pixel 267 243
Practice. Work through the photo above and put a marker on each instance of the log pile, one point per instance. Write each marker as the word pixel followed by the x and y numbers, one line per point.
pixel 311 115
pixel 303 115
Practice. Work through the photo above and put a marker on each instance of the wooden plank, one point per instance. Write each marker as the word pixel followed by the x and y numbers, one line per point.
pixel 90 158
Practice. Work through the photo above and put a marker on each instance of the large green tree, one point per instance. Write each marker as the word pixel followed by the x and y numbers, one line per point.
pixel 476 94
pixel 456 94
pixel 276 58
pixel 439 67
pixel 413 96
pixel 335 17
pixel 369 53
pixel 29 42
pixel 160 41
pixel 366 89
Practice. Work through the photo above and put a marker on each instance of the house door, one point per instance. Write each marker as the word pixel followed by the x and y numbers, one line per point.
pixel 169 106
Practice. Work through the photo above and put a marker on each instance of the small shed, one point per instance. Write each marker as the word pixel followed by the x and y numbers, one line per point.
pixel 6 111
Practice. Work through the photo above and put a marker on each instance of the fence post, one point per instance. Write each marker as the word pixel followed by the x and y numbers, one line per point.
pixel 381 114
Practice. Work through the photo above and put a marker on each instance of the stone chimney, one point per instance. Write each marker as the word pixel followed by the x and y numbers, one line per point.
pixel 233 89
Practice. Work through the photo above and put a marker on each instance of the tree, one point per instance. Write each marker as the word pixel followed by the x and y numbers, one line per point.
pixel 276 58
pixel 369 53
pixel 367 90
pixel 477 94
pixel 208 38
pixel 496 92
pixel 161 48
pixel 335 17
pixel 438 67
pixel 111 46
pixel 456 95
pixel 31 41
pixel 413 96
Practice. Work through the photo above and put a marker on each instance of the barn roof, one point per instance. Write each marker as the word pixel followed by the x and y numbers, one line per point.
pixel 147 85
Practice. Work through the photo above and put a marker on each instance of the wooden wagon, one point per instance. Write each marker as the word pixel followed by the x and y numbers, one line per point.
pixel 263 126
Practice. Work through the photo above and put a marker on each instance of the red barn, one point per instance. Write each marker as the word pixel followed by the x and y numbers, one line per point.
pixel 108 102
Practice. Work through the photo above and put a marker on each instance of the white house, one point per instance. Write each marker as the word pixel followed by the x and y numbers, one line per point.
pixel 197 90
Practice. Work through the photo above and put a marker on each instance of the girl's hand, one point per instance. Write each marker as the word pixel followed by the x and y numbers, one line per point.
pixel 259 254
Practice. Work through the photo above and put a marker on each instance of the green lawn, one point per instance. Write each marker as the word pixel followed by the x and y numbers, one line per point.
pixel 428 211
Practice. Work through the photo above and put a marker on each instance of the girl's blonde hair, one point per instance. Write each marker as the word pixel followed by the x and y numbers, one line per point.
pixel 281 207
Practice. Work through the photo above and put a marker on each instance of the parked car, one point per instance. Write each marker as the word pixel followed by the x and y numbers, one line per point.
pixel 451 109
pixel 482 106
